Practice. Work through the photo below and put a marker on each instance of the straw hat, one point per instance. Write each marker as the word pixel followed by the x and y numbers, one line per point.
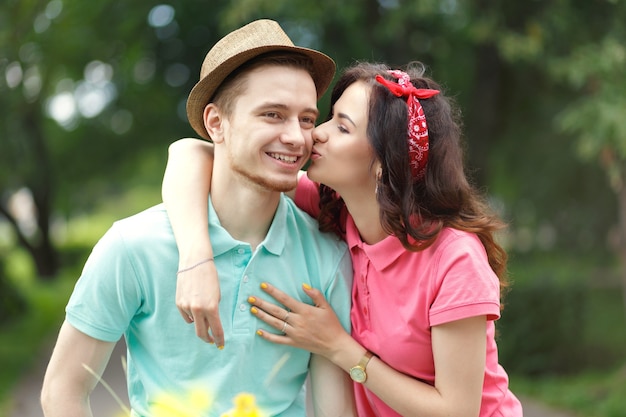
pixel 236 48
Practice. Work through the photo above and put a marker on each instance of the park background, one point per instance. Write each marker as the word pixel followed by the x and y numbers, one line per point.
pixel 92 93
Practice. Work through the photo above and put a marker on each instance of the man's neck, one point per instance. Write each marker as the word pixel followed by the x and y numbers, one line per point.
pixel 245 210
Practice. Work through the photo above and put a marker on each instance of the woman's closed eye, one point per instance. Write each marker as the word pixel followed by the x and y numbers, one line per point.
pixel 342 128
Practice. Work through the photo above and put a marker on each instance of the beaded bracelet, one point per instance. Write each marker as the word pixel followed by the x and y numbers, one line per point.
pixel 189 268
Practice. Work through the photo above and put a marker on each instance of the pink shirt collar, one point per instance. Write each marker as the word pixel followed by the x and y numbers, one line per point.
pixel 381 254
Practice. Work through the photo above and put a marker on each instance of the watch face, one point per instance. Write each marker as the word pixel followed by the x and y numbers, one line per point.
pixel 357 374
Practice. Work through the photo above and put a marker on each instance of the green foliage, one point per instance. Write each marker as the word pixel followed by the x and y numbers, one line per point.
pixel 12 303
pixel 540 325
pixel 588 394
pixel 597 116
pixel 562 316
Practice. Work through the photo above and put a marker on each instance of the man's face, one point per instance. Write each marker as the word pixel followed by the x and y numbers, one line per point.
pixel 267 138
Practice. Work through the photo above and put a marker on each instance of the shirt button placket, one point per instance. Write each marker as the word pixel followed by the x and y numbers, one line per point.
pixel 243 318
pixel 366 292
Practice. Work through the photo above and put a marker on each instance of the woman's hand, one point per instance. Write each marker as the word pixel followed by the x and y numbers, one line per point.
pixel 198 298
pixel 315 328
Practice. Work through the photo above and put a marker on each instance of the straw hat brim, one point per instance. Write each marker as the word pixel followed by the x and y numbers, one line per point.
pixel 203 91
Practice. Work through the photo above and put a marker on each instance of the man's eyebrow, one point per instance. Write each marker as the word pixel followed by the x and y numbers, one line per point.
pixel 345 116
pixel 313 110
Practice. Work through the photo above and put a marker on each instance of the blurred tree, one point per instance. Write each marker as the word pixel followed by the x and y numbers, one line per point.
pixel 92 99
pixel 495 58
pixel 96 91
pixel 12 303
pixel 597 117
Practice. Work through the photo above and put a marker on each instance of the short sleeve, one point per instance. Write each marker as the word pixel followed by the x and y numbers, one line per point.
pixel 468 287
pixel 107 295
pixel 307 196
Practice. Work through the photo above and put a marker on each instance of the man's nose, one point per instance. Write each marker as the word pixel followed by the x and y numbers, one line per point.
pixel 293 134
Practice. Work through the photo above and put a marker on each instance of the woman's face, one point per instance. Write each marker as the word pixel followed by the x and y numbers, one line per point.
pixel 342 156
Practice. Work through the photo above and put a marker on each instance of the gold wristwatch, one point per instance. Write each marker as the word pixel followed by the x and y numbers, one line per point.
pixel 357 372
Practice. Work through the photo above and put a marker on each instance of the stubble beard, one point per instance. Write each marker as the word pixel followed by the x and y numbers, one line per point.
pixel 262 182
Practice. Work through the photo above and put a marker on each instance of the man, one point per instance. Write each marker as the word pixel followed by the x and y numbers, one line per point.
pixel 256 100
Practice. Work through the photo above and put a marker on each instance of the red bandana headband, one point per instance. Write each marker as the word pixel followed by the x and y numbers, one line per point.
pixel 418 129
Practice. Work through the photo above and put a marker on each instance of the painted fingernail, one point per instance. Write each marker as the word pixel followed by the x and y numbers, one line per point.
pixel 306 286
pixel 251 300
pixel 221 347
pixel 264 285
pixel 253 310
pixel 259 332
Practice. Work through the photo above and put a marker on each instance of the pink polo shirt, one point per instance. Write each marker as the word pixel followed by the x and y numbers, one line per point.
pixel 399 295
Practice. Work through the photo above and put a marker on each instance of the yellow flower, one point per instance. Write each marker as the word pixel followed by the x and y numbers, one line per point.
pixel 196 403
pixel 245 406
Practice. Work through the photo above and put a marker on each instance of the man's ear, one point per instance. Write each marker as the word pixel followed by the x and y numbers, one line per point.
pixel 214 122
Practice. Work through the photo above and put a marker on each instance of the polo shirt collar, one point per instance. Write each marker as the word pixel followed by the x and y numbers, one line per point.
pixel 381 254
pixel 274 241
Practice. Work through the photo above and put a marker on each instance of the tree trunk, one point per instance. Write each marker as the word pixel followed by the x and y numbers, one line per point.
pixel 483 117
pixel 621 195
pixel 41 250
pixel 38 179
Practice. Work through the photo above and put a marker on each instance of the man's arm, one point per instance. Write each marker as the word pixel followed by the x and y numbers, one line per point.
pixel 67 384
pixel 331 389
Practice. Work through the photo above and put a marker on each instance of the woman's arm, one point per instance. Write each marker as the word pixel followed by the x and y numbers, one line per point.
pixel 185 193
pixel 458 349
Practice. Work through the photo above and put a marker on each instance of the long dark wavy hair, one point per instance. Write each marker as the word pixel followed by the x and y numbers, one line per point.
pixel 416 211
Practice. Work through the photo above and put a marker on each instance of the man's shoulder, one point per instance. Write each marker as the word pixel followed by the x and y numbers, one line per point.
pixel 148 224
pixel 150 214
pixel 305 225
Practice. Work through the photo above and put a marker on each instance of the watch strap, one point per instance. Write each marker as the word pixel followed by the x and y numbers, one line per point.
pixel 365 359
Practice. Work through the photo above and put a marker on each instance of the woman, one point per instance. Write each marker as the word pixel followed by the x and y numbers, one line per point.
pixel 427 269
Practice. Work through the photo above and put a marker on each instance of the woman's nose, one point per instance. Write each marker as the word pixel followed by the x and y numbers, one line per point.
pixel 319 134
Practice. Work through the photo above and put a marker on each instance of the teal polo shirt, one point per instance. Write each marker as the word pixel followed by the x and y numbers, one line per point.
pixel 128 287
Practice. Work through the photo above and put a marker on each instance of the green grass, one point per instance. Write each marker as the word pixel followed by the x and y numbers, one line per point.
pixel 589 394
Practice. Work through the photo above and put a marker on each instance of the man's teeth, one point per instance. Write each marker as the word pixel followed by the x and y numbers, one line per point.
pixel 284 158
